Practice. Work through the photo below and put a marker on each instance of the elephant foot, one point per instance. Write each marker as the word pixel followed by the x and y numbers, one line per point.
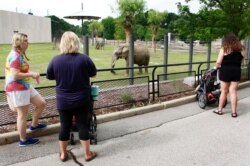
pixel 113 72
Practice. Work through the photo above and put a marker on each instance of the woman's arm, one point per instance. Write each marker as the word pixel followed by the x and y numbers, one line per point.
pixel 50 72
pixel 19 75
pixel 220 58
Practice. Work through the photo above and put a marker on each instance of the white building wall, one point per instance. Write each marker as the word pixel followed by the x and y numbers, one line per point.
pixel 37 28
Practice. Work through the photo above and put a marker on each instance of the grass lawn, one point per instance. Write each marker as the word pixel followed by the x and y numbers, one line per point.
pixel 41 54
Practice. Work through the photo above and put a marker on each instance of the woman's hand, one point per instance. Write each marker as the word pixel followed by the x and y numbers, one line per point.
pixel 36 76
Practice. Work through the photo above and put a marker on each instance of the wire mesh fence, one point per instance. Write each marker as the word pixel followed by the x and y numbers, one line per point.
pixel 117 92
pixel 176 83
pixel 120 91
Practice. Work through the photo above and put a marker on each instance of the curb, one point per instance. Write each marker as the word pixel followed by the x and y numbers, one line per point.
pixel 11 137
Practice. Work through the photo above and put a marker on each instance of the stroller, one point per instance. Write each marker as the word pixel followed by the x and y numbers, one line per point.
pixel 92 119
pixel 208 91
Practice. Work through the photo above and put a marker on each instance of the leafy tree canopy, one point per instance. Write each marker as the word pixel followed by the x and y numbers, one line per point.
pixel 235 15
pixel 108 27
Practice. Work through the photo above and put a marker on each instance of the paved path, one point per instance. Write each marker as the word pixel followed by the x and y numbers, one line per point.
pixel 182 135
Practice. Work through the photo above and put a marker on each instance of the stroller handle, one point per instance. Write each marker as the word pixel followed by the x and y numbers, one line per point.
pixel 217 77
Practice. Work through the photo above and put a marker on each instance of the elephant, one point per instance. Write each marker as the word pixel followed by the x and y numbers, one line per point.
pixel 141 56
pixel 100 44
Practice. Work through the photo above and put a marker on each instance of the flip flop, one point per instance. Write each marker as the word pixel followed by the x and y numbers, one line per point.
pixel 218 112
pixel 93 155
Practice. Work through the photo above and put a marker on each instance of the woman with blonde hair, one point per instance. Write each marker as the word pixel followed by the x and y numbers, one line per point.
pixel 19 91
pixel 229 61
pixel 72 71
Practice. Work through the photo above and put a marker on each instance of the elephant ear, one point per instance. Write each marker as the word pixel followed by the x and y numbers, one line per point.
pixel 125 51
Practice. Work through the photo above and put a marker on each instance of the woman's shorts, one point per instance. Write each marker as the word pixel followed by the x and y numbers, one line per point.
pixel 21 98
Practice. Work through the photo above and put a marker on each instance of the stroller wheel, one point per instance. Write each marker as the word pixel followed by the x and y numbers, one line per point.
pixel 202 100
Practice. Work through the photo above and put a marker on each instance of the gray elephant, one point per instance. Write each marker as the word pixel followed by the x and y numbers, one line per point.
pixel 100 44
pixel 141 56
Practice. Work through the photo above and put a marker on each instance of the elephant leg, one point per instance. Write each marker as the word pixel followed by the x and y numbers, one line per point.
pixel 146 69
pixel 140 70
pixel 127 72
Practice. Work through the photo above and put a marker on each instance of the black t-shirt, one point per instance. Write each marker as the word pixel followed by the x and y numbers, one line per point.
pixel 71 72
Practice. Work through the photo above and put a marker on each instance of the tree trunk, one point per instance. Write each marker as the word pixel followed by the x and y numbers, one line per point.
pixel 154 42
pixel 96 38
pixel 128 32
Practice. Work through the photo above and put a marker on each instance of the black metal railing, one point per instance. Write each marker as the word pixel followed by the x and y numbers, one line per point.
pixel 122 91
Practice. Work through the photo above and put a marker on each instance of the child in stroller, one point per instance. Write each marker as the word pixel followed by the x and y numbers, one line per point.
pixel 92 119
pixel 208 91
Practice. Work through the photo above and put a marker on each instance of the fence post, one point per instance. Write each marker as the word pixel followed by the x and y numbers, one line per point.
pixel 209 54
pixel 165 59
pixel 247 45
pixel 191 47
pixel 131 60
pixel 247 60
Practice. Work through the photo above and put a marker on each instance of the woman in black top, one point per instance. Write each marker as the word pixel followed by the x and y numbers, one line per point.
pixel 72 72
pixel 229 61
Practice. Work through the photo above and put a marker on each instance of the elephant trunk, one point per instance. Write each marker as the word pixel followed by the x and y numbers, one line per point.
pixel 114 59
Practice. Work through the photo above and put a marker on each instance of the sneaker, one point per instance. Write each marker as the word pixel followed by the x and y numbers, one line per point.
pixel 39 126
pixel 28 141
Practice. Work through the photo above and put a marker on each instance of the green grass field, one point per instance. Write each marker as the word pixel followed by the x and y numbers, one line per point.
pixel 41 54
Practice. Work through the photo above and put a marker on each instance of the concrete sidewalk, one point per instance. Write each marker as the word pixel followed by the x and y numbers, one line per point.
pixel 180 135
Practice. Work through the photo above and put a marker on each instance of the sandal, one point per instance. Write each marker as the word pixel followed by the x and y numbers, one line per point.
pixel 92 156
pixel 218 112
pixel 234 115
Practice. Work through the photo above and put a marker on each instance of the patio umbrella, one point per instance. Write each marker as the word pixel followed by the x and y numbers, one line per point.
pixel 82 16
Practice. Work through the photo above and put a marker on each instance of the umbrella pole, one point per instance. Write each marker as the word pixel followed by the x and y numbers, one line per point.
pixel 85 45
pixel 82 27
pixel 85 42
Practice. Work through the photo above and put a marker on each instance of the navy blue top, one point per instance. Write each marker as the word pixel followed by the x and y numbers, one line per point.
pixel 71 72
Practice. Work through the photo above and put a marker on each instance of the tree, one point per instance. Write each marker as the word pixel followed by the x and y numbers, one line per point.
pixel 186 27
pixel 235 15
pixel 168 22
pixel 139 32
pixel 209 28
pixel 218 17
pixel 108 27
pixel 59 26
pixel 140 26
pixel 129 10
pixel 155 19
pixel 96 28
pixel 85 28
pixel 119 30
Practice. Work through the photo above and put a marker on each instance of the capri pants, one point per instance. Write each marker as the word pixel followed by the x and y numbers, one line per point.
pixel 82 116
